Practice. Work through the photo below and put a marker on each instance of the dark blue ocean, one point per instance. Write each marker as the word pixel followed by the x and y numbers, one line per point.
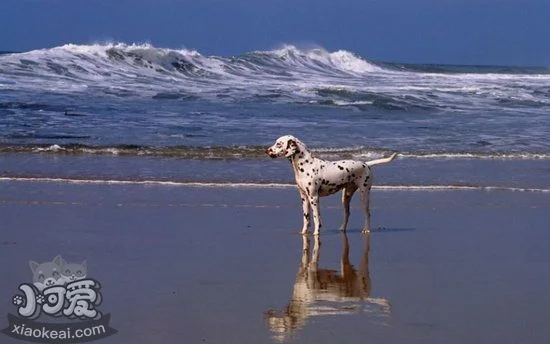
pixel 138 113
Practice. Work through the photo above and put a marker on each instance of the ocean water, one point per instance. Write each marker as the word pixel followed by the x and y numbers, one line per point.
pixel 139 113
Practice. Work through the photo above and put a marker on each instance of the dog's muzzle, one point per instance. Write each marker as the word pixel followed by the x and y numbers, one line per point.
pixel 270 153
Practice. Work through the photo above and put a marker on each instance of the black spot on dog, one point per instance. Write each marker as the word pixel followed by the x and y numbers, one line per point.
pixel 301 170
pixel 340 167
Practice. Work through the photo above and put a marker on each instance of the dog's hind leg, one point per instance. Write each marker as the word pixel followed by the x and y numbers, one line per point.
pixel 365 191
pixel 347 194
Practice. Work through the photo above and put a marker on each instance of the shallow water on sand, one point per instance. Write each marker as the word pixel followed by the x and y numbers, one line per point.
pixel 402 172
pixel 186 264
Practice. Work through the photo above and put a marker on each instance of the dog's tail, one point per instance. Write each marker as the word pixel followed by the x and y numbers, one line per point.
pixel 381 161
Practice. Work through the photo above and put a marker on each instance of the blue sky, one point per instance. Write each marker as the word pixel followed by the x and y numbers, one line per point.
pixel 494 32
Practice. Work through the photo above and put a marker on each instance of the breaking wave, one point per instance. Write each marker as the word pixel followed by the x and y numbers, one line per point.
pixel 123 65
pixel 289 74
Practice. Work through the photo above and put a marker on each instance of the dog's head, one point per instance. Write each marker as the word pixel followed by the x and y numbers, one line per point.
pixel 285 146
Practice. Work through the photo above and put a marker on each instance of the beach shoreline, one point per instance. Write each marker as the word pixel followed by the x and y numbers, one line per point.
pixel 429 173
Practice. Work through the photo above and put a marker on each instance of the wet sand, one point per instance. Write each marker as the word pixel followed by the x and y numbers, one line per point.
pixel 226 265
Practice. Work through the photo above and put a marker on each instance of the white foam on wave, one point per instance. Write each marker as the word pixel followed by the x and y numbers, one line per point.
pixel 124 65
pixel 362 153
pixel 143 182
pixel 253 152
pixel 52 148
pixel 353 103
pixel 146 70
pixel 456 188
pixel 262 185
pixel 72 67
pixel 350 62
pixel 318 59
pixel 476 156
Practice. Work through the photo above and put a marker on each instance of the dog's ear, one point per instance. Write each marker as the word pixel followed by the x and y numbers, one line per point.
pixel 291 148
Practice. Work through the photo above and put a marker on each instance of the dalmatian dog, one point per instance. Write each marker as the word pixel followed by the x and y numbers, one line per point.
pixel 318 178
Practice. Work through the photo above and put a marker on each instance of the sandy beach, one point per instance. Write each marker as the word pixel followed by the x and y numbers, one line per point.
pixel 226 265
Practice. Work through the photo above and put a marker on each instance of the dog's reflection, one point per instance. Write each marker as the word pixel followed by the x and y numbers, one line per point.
pixel 319 291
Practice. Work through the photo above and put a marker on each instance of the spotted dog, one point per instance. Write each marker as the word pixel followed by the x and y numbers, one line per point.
pixel 318 178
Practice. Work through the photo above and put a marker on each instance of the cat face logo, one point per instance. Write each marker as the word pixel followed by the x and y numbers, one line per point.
pixel 56 272
pixel 71 272
pixel 59 289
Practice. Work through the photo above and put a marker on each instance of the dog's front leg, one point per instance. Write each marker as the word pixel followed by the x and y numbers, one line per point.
pixel 314 203
pixel 306 212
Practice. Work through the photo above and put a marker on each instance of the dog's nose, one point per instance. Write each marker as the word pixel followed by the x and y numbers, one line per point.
pixel 270 153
